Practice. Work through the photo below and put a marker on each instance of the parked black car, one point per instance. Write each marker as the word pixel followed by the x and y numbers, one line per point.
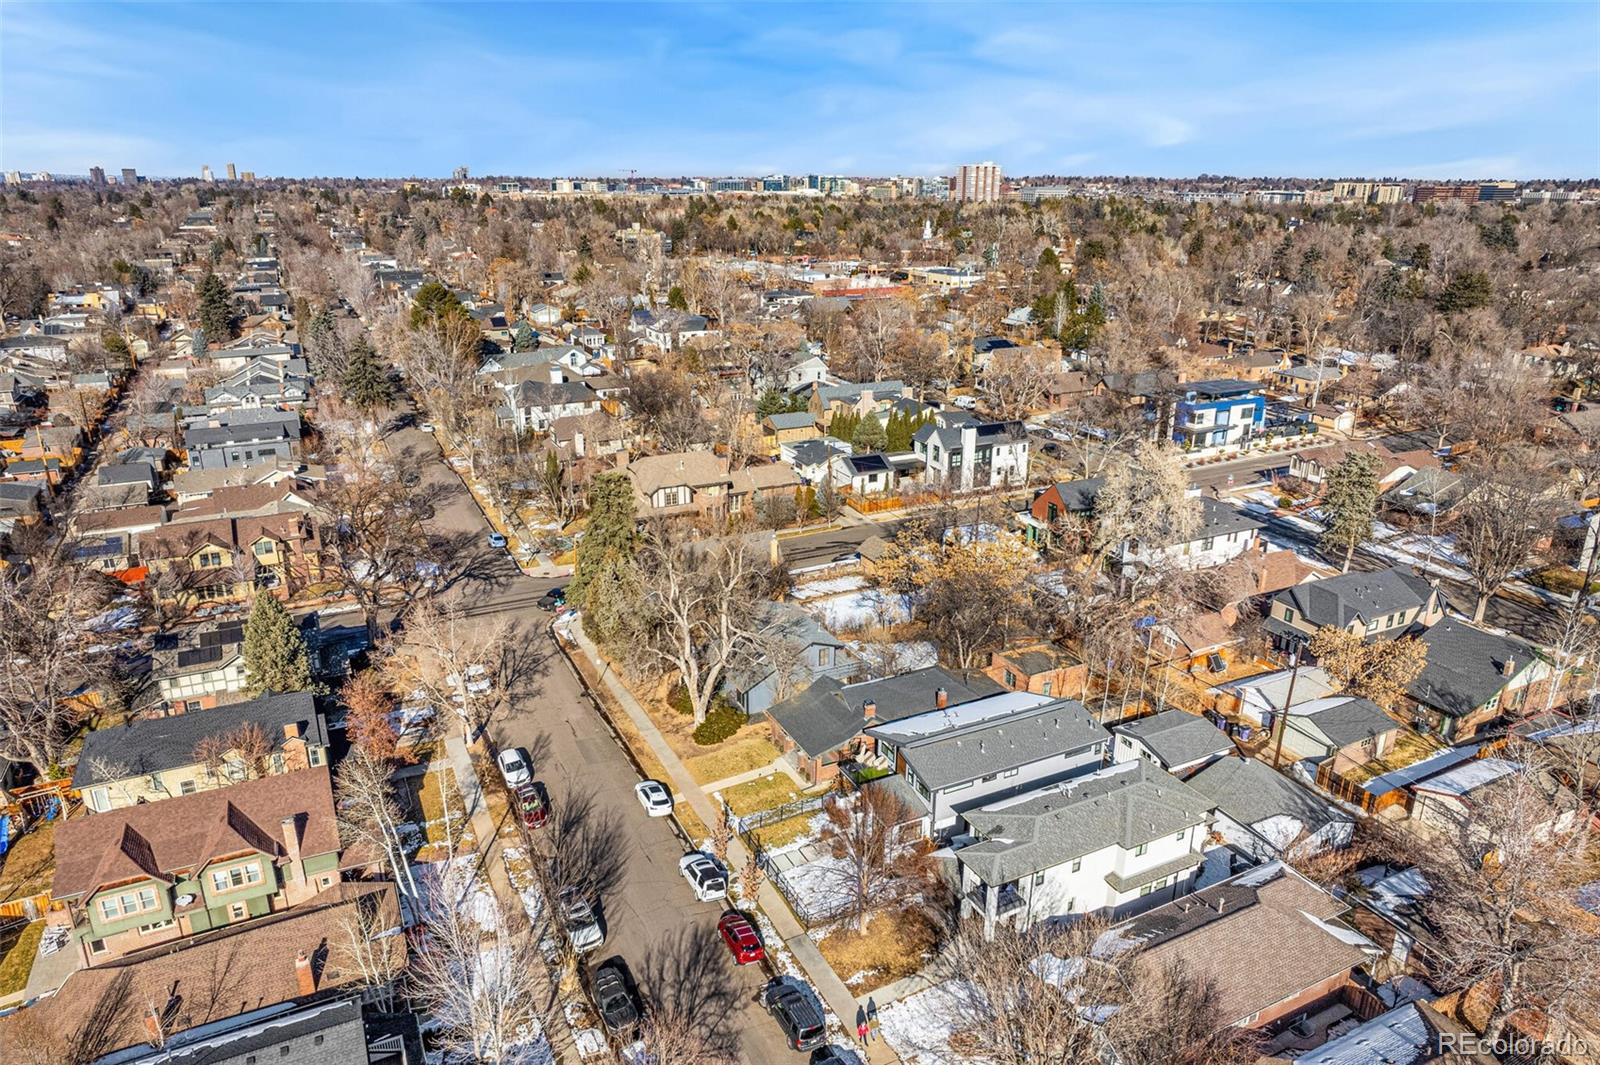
pixel 612 987
pixel 794 1007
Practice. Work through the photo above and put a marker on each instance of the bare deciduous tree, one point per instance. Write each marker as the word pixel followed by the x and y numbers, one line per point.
pixel 457 662
pixel 368 814
pixel 879 860
pixel 1505 512
pixel 1017 379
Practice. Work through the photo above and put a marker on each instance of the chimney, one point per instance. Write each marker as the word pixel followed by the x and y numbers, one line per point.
pixel 152 1027
pixel 298 888
pixel 869 710
pixel 941 698
pixel 1222 903
pixel 305 979
pixel 1509 667
pixel 291 730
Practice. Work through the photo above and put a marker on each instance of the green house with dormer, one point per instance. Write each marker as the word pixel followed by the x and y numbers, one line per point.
pixel 134 878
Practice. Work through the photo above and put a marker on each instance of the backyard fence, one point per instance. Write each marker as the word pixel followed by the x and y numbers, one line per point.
pixel 810 911
pixel 748 823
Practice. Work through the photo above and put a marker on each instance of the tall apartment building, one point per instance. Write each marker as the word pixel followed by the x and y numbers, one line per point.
pixel 976 183
pixel 1436 193
pixel 248 175
pixel 205 173
pixel 233 175
pixel 130 176
pixel 459 174
pixel 1378 192
pixel 97 175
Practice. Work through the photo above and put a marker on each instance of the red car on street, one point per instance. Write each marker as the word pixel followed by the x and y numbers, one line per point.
pixel 742 938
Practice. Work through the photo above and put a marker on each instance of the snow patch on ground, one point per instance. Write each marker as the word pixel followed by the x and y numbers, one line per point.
pixel 903 656
pixel 814 886
pixel 857 610
pixel 920 1025
pixel 835 586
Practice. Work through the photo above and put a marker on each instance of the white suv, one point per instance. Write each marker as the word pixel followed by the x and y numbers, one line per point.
pixel 705 876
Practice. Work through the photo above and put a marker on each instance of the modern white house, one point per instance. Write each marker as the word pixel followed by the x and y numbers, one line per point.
pixel 537 404
pixel 964 453
pixel 963 756
pixel 1113 843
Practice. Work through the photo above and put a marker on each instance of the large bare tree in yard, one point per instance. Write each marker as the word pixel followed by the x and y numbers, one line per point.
pixel 1506 511
pixel 1145 500
pixel 368 814
pixel 373 523
pixel 1017 380
pixel 1503 902
pixel 699 611
pixel 477 971
pixel 46 609
pixel 1055 994
pixel 879 860
pixel 456 662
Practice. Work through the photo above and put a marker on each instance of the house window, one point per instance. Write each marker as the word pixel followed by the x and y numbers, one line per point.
pixel 1046 689
pixel 155 926
pixel 1205 545
pixel 1077 865
pixel 188 787
pixel 210 559
pixel 1052 512
pixel 266 549
pixel 1288 615
pixel 1180 835
pixel 955 460
pixel 314 756
pixel 991 776
pixel 236 877
pixel 1011 679
pixel 822 656
pixel 238 911
pixel 1010 773
pixel 1038 878
pixel 97 946
pixel 1139 851
pixel 959 787
pixel 1146 890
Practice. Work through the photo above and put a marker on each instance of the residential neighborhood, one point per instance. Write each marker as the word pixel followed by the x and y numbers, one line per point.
pixel 957 613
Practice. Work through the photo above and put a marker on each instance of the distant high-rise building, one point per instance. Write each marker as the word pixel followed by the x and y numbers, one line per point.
pixel 459 174
pixel 248 175
pixel 1444 191
pixel 977 183
pixel 205 172
pixel 97 175
pixel 130 176
pixel 13 177
pixel 233 175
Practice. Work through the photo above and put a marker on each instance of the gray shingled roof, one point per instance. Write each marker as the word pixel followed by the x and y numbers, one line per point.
pixel 148 745
pixel 1006 741
pixel 1251 792
pixel 1344 719
pixel 826 715
pixel 1465 666
pixel 1123 806
pixel 1177 737
pixel 800 419
pixel 1340 600
pixel 1079 496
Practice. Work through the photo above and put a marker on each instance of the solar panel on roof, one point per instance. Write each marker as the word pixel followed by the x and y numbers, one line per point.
pixel 199 656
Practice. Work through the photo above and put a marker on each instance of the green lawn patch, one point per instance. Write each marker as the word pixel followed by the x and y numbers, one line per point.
pixel 18 962
pixel 763 794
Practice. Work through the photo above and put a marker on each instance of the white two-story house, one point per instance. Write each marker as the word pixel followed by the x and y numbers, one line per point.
pixel 961 757
pixel 962 452
pixel 1112 844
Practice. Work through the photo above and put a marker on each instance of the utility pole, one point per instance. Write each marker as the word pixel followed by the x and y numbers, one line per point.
pixel 1288 701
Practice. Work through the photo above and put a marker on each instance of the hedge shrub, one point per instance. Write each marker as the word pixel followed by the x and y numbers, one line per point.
pixel 723 721
pixel 678 699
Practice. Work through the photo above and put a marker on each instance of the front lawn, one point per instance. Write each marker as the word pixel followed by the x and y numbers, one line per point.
pixel 763 794
pixel 738 754
pixel 896 944
pixel 30 865
pixel 18 962
pixel 782 833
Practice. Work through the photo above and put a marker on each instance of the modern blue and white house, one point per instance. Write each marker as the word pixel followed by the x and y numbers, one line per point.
pixel 1220 415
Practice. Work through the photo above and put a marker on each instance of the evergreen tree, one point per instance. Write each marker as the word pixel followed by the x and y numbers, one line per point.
pixel 216 309
pixel 843 426
pixel 1350 503
pixel 524 339
pixel 435 303
pixel 676 299
pixel 605 580
pixel 275 658
pixel 366 382
pixel 771 402
pixel 868 435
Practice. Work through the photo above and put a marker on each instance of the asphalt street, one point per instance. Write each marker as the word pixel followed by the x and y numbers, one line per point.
pixel 650 916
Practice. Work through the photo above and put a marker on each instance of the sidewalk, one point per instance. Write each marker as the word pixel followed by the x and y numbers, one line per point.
pixel 822 977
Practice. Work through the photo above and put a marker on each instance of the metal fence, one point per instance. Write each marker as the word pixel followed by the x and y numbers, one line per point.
pixel 762 818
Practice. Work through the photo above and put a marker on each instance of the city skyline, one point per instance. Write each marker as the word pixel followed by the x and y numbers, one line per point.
pixel 558 90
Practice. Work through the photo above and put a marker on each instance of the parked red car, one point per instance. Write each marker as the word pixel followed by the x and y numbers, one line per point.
pixel 742 938
pixel 530 802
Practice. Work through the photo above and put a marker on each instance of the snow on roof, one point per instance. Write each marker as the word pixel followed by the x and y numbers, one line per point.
pixel 1467 778
pixel 1399 1036
pixel 968 713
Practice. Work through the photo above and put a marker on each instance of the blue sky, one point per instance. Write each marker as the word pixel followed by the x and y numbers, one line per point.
pixel 364 89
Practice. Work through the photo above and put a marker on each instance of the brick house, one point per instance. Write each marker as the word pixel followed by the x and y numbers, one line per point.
pixel 1041 667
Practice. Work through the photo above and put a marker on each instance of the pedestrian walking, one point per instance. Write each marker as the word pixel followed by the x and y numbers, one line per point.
pixel 861 1025
pixel 872 1019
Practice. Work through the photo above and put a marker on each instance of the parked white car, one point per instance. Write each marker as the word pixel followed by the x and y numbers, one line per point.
pixel 515 767
pixel 654 797
pixel 705 876
pixel 583 930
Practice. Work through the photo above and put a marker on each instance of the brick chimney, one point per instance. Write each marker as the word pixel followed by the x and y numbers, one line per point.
pixel 1509 667
pixel 296 887
pixel 869 711
pixel 941 699
pixel 305 979
pixel 292 730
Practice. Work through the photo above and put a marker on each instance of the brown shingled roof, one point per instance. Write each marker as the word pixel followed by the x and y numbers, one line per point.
pixel 185 832
pixel 206 978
